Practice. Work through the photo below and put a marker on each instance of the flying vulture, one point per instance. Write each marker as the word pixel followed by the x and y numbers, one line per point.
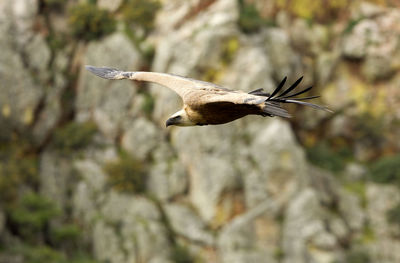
pixel 205 103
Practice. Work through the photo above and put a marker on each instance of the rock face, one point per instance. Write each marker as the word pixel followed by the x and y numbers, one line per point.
pixel 240 192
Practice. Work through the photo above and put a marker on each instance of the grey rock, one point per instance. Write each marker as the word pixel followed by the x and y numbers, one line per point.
pixel 280 164
pixel 22 99
pixel 310 39
pixel 106 245
pixel 355 172
pixel 84 204
pixel 136 223
pixel 250 236
pixel 280 52
pixel 22 14
pixel 213 149
pixel 186 223
pixel 111 5
pixel 121 207
pixel 108 102
pixel 55 178
pixel 380 200
pixel 92 174
pixel 368 10
pixel 37 54
pixel 24 58
pixel 304 226
pixel 339 228
pixel 253 63
pixel 326 64
pixel 168 177
pixel 141 138
pixel 356 43
pixel 378 65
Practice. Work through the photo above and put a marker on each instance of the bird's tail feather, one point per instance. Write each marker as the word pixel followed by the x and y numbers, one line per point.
pixel 271 108
pixel 285 98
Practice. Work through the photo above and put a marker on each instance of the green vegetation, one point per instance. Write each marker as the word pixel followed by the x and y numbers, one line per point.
pixel 30 220
pixel 31 214
pixel 88 22
pixel 393 215
pixel 141 13
pixel 56 41
pixel 148 104
pixel 181 254
pixel 250 20
pixel 358 188
pixel 229 50
pixel 351 24
pixel 44 253
pixel 386 170
pixel 18 168
pixel 127 174
pixel 39 254
pixel 66 234
pixel 325 156
pixel 74 136
pixel 357 256
pixel 54 4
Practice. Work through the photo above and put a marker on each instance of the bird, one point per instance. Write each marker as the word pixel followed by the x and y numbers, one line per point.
pixel 206 103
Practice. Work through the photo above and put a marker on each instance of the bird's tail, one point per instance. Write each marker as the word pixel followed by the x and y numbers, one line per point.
pixel 272 103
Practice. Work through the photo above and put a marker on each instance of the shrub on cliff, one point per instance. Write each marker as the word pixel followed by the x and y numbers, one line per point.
pixel 88 22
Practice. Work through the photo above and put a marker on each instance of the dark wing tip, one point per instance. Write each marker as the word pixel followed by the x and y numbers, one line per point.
pixel 105 72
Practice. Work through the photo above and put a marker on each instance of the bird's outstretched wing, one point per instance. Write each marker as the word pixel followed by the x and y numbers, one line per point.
pixel 181 85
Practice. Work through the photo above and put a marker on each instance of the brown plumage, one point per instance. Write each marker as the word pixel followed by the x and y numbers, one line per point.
pixel 205 103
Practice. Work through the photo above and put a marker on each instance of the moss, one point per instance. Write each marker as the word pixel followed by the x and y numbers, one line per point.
pixel 325 156
pixel 56 41
pixel 141 13
pixel 127 174
pixel 393 215
pixel 359 189
pixel 279 254
pixel 148 104
pixel 368 234
pixel 88 22
pixel 40 254
pixel 250 20
pixel 210 74
pixel 386 170
pixel 68 233
pixel 351 24
pixel 229 50
pixel 181 254
pixel 43 253
pixel 18 168
pixel 30 215
pixel 74 136
pixel 357 256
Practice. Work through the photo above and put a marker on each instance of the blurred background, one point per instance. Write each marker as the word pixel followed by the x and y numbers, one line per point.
pixel 89 173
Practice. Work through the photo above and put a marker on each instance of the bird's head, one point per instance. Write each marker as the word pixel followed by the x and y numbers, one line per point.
pixel 180 118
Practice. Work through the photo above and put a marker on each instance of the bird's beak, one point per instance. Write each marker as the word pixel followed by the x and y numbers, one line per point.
pixel 169 122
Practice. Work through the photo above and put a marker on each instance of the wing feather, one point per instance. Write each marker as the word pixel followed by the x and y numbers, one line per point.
pixel 181 85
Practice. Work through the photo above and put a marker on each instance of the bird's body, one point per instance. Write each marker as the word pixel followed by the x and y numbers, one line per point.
pixel 205 103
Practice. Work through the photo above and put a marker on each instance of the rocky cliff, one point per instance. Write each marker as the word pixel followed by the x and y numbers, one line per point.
pixel 89 173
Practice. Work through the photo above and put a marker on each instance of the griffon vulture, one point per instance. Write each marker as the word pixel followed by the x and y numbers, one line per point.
pixel 205 103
